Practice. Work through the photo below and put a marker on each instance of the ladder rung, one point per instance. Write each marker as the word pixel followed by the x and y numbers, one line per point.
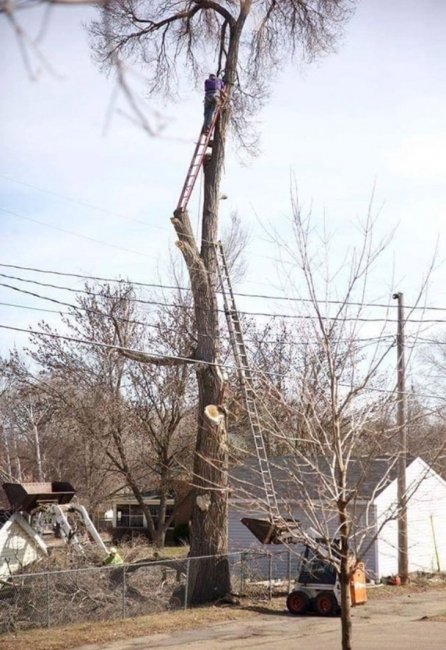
pixel 245 376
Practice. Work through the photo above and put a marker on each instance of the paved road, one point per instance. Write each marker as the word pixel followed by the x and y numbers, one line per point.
pixel 381 625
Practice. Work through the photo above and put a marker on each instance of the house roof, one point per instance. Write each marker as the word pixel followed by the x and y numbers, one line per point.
pixel 295 479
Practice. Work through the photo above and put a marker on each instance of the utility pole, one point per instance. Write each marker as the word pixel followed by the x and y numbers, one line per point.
pixel 403 565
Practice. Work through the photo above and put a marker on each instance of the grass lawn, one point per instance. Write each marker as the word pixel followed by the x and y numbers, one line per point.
pixel 63 638
pixel 73 636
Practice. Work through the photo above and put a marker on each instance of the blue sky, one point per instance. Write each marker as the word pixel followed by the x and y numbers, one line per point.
pixel 370 115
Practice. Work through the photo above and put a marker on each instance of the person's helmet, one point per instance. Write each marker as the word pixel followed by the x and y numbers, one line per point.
pixel 212 76
pixel 113 550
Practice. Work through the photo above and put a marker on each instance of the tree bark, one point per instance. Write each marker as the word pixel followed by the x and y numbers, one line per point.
pixel 209 579
pixel 346 620
pixel 39 464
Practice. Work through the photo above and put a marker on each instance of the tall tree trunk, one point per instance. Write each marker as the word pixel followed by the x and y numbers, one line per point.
pixel 209 579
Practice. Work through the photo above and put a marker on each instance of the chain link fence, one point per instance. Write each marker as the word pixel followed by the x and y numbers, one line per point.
pixel 95 594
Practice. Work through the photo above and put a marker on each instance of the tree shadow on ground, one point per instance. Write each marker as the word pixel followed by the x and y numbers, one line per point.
pixel 262 609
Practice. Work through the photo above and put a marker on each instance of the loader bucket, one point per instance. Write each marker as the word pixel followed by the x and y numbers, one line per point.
pixel 270 532
pixel 28 496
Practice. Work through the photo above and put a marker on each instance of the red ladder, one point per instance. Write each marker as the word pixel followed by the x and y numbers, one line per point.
pixel 197 161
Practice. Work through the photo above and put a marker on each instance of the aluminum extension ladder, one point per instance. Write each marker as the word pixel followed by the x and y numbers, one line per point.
pixel 197 160
pixel 241 359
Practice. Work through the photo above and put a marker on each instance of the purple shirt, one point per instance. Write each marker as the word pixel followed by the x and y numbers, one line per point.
pixel 212 87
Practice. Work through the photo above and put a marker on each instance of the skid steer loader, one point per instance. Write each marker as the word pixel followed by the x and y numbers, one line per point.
pixel 317 587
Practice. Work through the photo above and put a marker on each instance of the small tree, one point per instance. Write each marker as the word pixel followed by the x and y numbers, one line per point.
pixel 335 443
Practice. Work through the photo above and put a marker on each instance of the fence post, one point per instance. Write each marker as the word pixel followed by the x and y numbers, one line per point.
pixel 186 589
pixel 242 572
pixel 124 612
pixel 48 620
pixel 270 574
pixel 289 570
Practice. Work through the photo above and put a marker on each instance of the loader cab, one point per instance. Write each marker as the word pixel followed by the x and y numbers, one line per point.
pixel 315 570
pixel 317 587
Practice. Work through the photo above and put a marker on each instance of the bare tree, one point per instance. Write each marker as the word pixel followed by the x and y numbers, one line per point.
pixel 129 419
pixel 335 444
pixel 246 41
pixel 291 376
pixel 28 416
pixel 431 371
pixel 115 422
pixel 10 462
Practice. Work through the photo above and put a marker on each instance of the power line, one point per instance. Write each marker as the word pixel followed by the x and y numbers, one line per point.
pixel 127 218
pixel 104 210
pixel 155 285
pixel 126 349
pixel 157 355
pixel 97 241
pixel 159 327
pixel 109 346
pixel 191 308
pixel 93 207
pixel 93 277
pixel 49 311
pixel 167 304
pixel 82 309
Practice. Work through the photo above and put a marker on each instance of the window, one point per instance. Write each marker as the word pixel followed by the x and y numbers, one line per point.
pixel 129 516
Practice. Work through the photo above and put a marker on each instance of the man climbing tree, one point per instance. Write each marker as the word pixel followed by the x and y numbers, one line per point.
pixel 213 94
pixel 246 40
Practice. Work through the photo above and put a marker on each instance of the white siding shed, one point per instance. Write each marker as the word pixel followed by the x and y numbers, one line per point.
pixel 426 521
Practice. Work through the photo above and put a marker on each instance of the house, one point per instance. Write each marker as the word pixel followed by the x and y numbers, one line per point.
pixel 129 520
pixel 20 545
pixel 300 494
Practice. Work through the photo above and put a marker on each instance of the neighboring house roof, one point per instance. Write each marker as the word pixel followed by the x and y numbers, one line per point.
pixel 294 479
pixel 152 495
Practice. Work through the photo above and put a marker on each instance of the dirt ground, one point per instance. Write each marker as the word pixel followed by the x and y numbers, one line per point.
pixel 395 617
